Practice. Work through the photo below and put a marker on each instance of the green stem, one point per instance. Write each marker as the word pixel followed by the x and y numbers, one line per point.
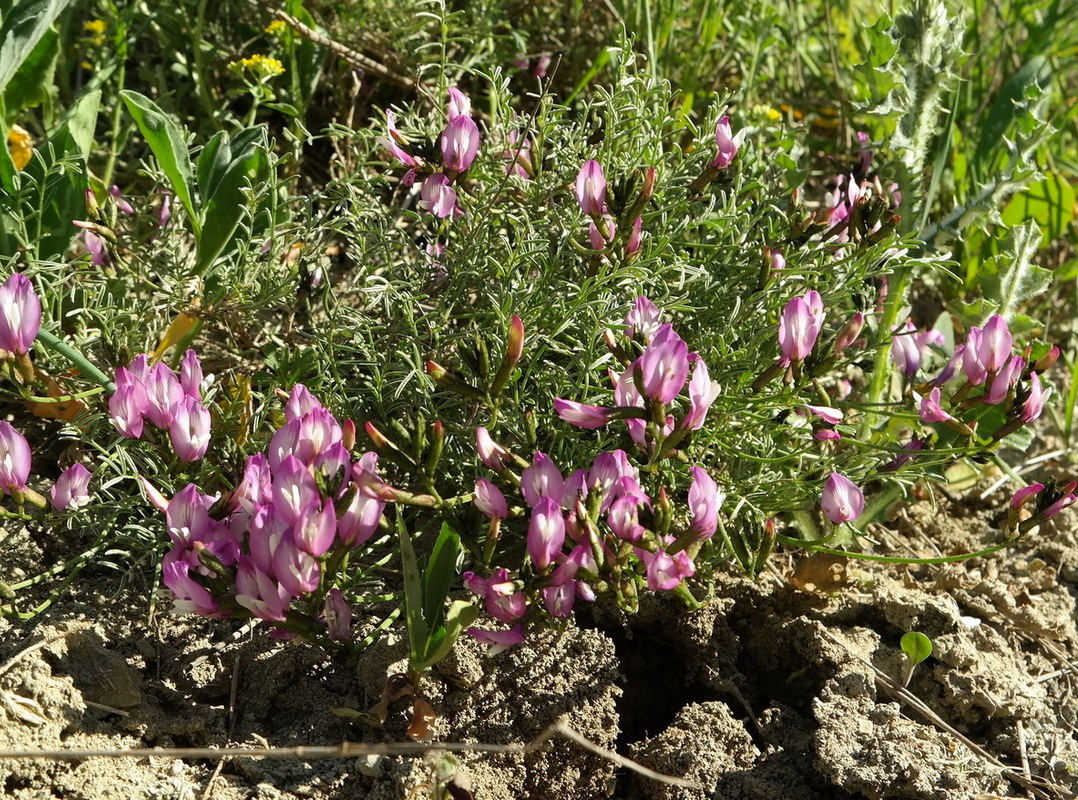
pixel 77 359
pixel 787 540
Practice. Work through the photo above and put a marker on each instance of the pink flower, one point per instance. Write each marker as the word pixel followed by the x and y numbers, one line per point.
pixel 931 411
pixel 259 593
pixel 702 394
pixel 490 500
pixel 591 189
pixel 994 347
pixel 705 498
pixel 1034 404
pixel 459 104
pixel 459 144
pixel 14 459
pixel 394 141
pixel 492 454
pixel 632 246
pixel 541 480
pixel 190 430
pixel 546 532
pixel 644 319
pixel 841 501
pixel 799 327
pixel 1006 378
pixel 832 416
pixel 848 335
pixel 338 615
pixel 498 640
pixel 666 572
pixel 315 530
pixel 583 416
pixel 726 143
pixel 664 365
pixel 358 520
pixel 163 394
pixel 71 490
pixel 438 197
pixel 127 405
pixel 191 376
pixel 188 596
pixel 20 314
pixel 904 350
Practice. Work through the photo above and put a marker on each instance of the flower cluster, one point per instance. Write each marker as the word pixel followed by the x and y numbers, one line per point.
pixel 166 400
pixel 458 145
pixel 285 531
pixel 595 531
pixel 648 384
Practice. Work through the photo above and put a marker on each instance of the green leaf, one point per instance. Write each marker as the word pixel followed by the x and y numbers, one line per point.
pixel 916 646
pixel 224 203
pixel 1050 202
pixel 212 163
pixel 23 25
pixel 459 618
pixel 31 84
pixel 168 141
pixel 1013 102
pixel 413 595
pixel 440 574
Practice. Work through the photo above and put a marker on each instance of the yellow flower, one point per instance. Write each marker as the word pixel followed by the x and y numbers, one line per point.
pixel 275 28
pixel 95 29
pixel 20 145
pixel 260 66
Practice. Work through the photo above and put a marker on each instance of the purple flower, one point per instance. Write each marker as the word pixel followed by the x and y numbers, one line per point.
pixel 542 480
pixel 492 454
pixel 702 394
pixel 498 640
pixel 358 520
pixel 666 572
pixel 338 615
pixel 644 319
pixel 583 416
pixel 994 347
pixel 546 532
pixel 294 491
pixel 128 405
pixel 190 430
pixel 931 411
pixel 259 593
pixel 1034 404
pixel 705 498
pixel 163 394
pixel 1003 381
pixel 438 197
pixel 726 143
pixel 20 314
pixel 841 501
pixel 71 490
pixel 799 327
pixel 459 144
pixel 459 104
pixel 14 459
pixel 394 141
pixel 189 597
pixel 591 189
pixel 664 365
pixel 490 500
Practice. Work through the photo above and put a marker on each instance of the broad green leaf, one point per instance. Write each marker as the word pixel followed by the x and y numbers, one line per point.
pixel 82 122
pixel 212 163
pixel 440 574
pixel 224 209
pixel 23 25
pixel 916 646
pixel 413 595
pixel 169 144
pixel 31 83
pixel 458 618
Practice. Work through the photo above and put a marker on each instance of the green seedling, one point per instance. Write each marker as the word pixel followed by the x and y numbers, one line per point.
pixel 432 628
pixel 917 648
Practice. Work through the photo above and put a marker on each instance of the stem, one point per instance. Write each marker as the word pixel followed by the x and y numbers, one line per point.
pixel 787 540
